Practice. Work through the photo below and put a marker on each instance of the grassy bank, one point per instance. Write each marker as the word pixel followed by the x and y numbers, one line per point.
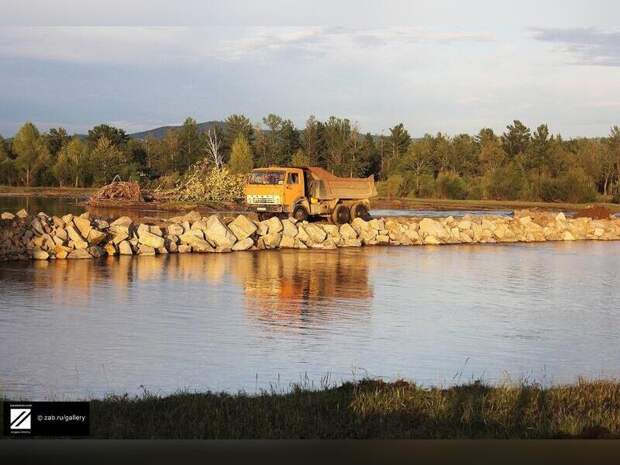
pixel 447 204
pixel 370 409
pixel 19 191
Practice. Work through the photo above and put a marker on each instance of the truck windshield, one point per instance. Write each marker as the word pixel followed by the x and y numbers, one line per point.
pixel 267 177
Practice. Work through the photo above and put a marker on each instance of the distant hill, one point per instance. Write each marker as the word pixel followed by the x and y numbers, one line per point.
pixel 159 133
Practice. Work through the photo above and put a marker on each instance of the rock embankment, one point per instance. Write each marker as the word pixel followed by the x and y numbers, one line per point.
pixel 44 237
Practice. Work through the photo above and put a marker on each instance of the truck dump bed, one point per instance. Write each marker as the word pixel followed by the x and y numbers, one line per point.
pixel 325 186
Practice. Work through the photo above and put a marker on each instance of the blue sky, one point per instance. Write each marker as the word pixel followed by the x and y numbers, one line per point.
pixel 435 66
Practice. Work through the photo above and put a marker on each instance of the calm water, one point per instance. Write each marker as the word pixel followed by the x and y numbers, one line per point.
pixel 63 205
pixel 248 320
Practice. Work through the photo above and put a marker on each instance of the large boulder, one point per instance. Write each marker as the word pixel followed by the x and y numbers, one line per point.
pixel 347 232
pixel 218 233
pixel 79 254
pixel 368 236
pixel 331 230
pixel 37 227
pixel 272 240
pixel 149 239
pixel 175 229
pixel 61 234
pixel 120 237
pixel 120 225
pixel 359 225
pixel 302 235
pixel 329 244
pixel 243 244
pixel 377 224
pixel 199 225
pixel 61 252
pixel 78 241
pixel 21 214
pixel 464 225
pixel 412 235
pixel 349 242
pixel 7 216
pixel 192 216
pixel 196 243
pixel 242 227
pixel 317 234
pixel 567 236
pixel 274 224
pixel 83 225
pixel 287 242
pixel 430 227
pixel 146 250
pixel 124 248
pixel 95 251
pixel 95 237
pixel 432 240
pixel 39 254
pixel 156 230
pixel 288 228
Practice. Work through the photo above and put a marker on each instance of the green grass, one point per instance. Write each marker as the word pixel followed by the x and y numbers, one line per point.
pixel 369 409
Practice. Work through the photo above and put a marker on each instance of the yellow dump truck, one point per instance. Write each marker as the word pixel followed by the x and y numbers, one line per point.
pixel 303 192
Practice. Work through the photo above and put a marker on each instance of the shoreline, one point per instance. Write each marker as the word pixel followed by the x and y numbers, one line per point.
pixel 44 237
pixel 368 409
pixel 404 203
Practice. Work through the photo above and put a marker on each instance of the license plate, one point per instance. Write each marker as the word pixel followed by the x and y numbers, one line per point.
pixel 261 209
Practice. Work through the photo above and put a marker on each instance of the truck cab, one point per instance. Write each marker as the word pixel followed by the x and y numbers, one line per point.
pixel 276 190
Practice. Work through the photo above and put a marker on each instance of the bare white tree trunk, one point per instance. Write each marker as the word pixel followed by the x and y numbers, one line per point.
pixel 213 148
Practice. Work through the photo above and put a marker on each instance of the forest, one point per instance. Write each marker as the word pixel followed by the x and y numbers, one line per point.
pixel 521 163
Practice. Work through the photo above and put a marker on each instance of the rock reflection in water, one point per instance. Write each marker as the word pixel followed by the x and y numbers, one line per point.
pixel 287 285
pixel 277 286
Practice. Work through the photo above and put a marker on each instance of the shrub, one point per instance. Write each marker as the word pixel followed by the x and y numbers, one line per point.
pixel 422 186
pixel 168 181
pixel 504 183
pixel 451 186
pixel 391 187
pixel 575 186
pixel 202 183
pixel 475 188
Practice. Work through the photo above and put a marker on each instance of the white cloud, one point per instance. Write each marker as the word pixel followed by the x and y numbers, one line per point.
pixel 156 45
pixel 585 46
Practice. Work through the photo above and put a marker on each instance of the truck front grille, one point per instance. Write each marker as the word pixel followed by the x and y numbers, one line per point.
pixel 263 199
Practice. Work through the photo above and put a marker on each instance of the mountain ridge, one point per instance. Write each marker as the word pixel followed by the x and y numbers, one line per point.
pixel 160 132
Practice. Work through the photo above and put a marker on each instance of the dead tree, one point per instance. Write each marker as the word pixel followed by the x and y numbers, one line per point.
pixel 213 148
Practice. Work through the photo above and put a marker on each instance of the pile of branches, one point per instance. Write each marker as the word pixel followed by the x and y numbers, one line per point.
pixel 204 183
pixel 119 190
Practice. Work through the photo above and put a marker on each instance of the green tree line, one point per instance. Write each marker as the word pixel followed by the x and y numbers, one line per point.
pixel 520 163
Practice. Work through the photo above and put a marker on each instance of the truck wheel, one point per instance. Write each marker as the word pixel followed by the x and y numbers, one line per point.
pixel 341 214
pixel 300 213
pixel 360 210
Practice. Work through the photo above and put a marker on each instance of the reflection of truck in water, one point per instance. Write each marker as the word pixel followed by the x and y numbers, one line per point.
pixel 308 191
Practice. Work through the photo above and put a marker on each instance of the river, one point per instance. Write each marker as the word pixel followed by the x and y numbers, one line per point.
pixel 258 320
